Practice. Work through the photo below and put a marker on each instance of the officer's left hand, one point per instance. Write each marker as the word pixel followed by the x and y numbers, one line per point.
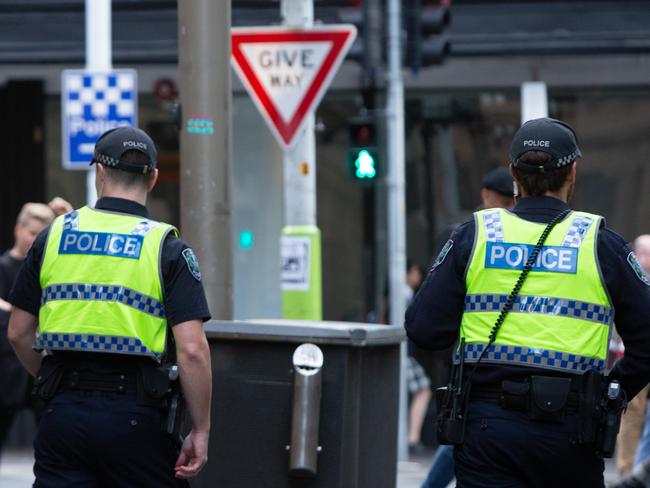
pixel 194 455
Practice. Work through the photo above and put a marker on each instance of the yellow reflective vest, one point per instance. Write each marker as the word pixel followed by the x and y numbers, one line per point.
pixel 562 317
pixel 102 285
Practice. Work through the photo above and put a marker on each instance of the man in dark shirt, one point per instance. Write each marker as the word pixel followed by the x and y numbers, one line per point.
pixel 502 446
pixel 14 380
pixel 103 425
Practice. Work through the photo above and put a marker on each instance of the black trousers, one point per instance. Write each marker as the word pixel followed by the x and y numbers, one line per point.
pixel 6 419
pixel 505 449
pixel 92 439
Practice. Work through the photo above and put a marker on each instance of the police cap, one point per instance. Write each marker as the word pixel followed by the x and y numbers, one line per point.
pixel 499 180
pixel 551 136
pixel 112 144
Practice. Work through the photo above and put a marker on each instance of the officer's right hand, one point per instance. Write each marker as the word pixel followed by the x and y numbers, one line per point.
pixel 194 455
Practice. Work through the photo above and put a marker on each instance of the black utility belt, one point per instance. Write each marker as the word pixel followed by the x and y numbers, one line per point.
pixel 94 381
pixel 544 398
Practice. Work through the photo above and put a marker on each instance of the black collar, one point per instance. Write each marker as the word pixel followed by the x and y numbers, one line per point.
pixel 122 205
pixel 538 203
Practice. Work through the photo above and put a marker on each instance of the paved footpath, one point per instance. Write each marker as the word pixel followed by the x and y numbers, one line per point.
pixel 16 471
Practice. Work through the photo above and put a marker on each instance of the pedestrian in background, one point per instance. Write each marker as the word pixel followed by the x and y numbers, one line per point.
pixel 118 301
pixel 496 192
pixel 15 383
pixel 634 438
pixel 534 347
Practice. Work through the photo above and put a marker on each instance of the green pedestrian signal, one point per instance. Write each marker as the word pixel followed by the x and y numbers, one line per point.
pixel 365 165
pixel 363 161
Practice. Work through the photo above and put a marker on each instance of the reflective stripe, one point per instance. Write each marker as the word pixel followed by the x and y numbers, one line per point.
pixel 577 231
pixel 560 307
pixel 521 355
pixel 493 226
pixel 104 293
pixel 143 227
pixel 88 342
pixel 71 221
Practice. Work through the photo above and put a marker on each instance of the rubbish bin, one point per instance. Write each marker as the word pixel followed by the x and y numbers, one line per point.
pixel 253 391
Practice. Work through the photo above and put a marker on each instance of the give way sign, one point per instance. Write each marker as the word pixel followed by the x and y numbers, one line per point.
pixel 287 70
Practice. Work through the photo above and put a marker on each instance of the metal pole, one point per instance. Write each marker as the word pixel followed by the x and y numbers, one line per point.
pixel 300 192
pixel 300 161
pixel 98 58
pixel 396 201
pixel 204 65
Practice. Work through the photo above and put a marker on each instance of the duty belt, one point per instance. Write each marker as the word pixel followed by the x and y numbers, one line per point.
pixel 90 380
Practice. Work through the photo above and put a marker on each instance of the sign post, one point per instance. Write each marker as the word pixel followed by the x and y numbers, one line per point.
pixel 286 71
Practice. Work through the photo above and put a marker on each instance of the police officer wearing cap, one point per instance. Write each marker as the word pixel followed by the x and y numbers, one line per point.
pixel 526 408
pixel 108 314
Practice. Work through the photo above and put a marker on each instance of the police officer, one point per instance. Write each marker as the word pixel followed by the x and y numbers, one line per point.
pixel 528 416
pixel 112 304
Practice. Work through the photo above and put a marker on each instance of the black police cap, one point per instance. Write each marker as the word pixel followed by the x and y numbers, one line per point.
pixel 499 180
pixel 112 144
pixel 551 136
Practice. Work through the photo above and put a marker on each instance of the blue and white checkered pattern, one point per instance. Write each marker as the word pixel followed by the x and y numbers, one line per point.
pixel 105 293
pixel 71 221
pixel 528 356
pixel 143 227
pixel 577 231
pixel 493 226
pixel 559 307
pixel 92 343
pixel 100 95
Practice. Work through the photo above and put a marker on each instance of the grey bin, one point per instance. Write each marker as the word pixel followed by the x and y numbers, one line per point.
pixel 252 404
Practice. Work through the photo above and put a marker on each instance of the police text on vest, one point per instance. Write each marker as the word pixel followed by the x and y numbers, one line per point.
pixel 101 243
pixel 554 259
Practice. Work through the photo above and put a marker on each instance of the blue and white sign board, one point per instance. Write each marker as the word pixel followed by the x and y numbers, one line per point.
pixel 91 104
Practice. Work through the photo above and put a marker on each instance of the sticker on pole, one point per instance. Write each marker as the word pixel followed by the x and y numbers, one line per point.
pixel 286 71
pixel 91 104
pixel 295 252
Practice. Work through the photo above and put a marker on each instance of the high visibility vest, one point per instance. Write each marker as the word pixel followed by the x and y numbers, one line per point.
pixel 562 317
pixel 102 285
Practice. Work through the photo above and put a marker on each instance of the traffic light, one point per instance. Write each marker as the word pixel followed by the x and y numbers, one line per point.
pixel 427 37
pixel 362 155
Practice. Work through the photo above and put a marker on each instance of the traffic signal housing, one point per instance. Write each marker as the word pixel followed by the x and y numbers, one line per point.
pixel 427 37
pixel 363 157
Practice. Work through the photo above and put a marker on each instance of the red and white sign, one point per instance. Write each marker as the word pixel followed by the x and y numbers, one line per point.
pixel 286 70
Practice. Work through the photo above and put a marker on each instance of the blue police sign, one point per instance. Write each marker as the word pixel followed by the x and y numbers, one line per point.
pixel 91 104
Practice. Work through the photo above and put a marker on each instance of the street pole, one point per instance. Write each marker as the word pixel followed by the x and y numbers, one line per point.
pixel 98 58
pixel 300 193
pixel 396 200
pixel 204 66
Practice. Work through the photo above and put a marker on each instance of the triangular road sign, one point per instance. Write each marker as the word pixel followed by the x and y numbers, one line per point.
pixel 286 70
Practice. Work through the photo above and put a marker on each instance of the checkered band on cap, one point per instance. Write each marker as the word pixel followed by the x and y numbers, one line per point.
pixel 93 343
pixel 529 356
pixel 577 231
pixel 105 160
pixel 71 221
pixel 104 293
pixel 493 226
pixel 568 158
pixel 559 307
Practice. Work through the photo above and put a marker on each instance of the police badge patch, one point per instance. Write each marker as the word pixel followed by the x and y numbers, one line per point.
pixel 442 255
pixel 192 263
pixel 638 269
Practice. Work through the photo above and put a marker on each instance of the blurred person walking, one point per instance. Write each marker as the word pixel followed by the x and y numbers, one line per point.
pixel 115 302
pixel 496 192
pixel 529 298
pixel 634 438
pixel 15 383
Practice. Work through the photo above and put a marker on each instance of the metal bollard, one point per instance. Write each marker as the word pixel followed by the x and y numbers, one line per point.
pixel 305 418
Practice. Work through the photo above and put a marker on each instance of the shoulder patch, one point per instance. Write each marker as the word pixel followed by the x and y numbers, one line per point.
pixel 634 263
pixel 442 255
pixel 192 263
